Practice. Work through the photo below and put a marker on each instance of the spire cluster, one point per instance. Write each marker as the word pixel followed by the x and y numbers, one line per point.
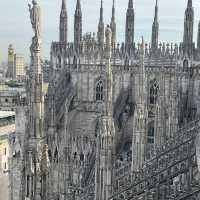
pixel 129 29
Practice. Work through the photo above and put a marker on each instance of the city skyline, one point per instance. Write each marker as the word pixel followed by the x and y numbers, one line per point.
pixel 16 28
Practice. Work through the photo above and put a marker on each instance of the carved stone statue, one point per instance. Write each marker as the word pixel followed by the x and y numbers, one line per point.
pixel 108 34
pixel 35 17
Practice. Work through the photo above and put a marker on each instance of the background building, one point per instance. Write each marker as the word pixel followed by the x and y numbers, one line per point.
pixel 10 69
pixel 7 127
pixel 16 65
pixel 9 92
pixel 19 67
pixel 8 100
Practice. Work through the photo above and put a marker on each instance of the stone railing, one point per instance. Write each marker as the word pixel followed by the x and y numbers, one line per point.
pixel 89 171
pixel 177 157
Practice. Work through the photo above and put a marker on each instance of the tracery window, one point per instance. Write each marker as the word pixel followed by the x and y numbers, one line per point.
pixel 185 64
pixel 59 61
pixel 150 136
pixel 27 185
pixel 56 156
pixel 99 91
pixel 154 92
pixel 81 157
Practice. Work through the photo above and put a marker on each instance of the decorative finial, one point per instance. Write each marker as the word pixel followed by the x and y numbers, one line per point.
pixel 78 5
pixel 130 4
pixel 63 4
pixel 113 11
pixel 101 11
pixel 156 11
pixel 142 42
pixel 189 4
pixel 34 2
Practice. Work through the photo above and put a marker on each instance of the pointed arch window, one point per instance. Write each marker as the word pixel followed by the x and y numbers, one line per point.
pixel 154 92
pixel 99 91
pixel 185 64
pixel 27 185
pixel 56 155
pixel 59 62
pixel 150 136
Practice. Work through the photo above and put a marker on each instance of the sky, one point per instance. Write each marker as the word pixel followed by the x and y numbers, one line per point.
pixel 15 27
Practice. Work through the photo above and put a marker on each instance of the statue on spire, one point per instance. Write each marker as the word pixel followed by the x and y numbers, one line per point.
pixel 108 34
pixel 35 17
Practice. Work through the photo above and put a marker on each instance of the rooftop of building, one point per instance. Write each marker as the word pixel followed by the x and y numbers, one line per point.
pixel 6 130
pixel 5 114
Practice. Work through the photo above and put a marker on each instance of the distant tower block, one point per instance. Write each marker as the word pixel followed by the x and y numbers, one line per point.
pixel 10 70
pixel 19 67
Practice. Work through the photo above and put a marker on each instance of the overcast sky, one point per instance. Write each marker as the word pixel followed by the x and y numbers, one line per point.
pixel 15 27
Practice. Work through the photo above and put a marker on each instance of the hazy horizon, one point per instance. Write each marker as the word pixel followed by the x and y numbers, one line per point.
pixel 16 28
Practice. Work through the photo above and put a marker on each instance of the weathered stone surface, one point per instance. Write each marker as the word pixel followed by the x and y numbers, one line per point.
pixel 118 120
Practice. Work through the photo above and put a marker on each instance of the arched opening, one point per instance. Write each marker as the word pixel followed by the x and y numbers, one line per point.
pixel 75 155
pixel 99 91
pixel 56 156
pixel 27 185
pixel 82 157
pixel 154 92
pixel 59 61
pixel 75 62
pixel 185 64
pixel 128 150
pixel 50 155
pixel 102 179
pixel 151 134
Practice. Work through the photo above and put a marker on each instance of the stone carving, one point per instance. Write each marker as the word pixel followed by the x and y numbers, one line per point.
pixel 35 17
pixel 90 155
pixel 108 34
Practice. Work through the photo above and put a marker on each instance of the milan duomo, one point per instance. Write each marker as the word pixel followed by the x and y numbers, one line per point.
pixel 119 121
